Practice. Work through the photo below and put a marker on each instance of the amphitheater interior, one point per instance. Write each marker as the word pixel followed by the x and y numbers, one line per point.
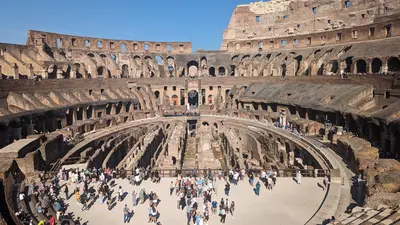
pixel 296 86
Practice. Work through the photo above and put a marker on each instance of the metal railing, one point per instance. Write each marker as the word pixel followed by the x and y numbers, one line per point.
pixel 225 172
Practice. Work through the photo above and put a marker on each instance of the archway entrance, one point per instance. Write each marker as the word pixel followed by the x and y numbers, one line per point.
pixel 393 64
pixel 193 98
pixel 376 65
pixel 361 66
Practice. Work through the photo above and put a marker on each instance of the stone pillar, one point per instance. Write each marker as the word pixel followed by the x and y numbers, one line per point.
pixel 59 73
pixel 131 108
pixel 306 114
pixel 113 110
pixel 384 68
pixel 72 74
pixel 84 113
pixel 369 66
pixel 74 115
pixel 16 72
pixel 46 74
pixel 31 73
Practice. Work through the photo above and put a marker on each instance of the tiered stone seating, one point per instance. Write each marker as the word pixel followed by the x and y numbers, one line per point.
pixel 383 215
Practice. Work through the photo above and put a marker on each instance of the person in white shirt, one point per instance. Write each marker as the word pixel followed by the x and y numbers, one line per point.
pixel 120 193
pixel 21 196
pixel 235 178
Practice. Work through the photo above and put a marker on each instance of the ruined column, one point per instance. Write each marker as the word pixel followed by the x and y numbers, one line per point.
pixel 16 73
pixel 31 73
pixel 74 115
pixel 59 73
pixel 113 110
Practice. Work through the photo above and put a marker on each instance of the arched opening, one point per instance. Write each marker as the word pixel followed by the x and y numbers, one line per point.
pixel 361 66
pixel 89 112
pixel 321 70
pixel 123 48
pixel 393 64
pixel 335 67
pixel 193 98
pixel 157 94
pixel 192 68
pixel 101 72
pixel 159 60
pixel 233 68
pixel 203 63
pixel 52 72
pixel 108 109
pixel 69 117
pixel 103 56
pixel 77 68
pixel 174 100
pixel 283 70
pixel 221 71
pixel 211 71
pixel 298 58
pixel 171 65
pixel 210 99
pixel 349 62
pixel 91 55
pixel 376 65
pixel 227 91
pixel 125 71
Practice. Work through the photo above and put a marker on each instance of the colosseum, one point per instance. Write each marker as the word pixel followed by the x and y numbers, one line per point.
pixel 304 93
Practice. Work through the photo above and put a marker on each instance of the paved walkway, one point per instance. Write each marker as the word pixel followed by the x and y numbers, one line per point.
pixel 289 203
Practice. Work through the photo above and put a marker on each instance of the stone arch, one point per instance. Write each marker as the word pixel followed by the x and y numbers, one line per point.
pixel 174 100
pixel 78 70
pixel 103 56
pixel 157 94
pixel 103 72
pixel 221 71
pixel 160 60
pixel 125 71
pixel 349 62
pixel 376 65
pixel 91 55
pixel 235 58
pixel 361 66
pixel 192 67
pixel 393 64
pixel 171 65
pixel 233 68
pixel 211 71
pixel 52 71
pixel 203 63
pixel 334 66
pixel 321 70
pixel 298 59
pixel 210 99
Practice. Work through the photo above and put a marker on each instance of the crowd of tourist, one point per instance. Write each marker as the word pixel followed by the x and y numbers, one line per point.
pixel 196 193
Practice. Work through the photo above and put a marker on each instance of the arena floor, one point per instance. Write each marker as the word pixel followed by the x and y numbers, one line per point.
pixel 288 203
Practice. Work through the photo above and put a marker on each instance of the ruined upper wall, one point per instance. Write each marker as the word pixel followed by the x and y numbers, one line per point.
pixel 277 18
pixel 71 42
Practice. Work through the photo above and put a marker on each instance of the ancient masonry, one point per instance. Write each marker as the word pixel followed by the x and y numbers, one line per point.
pixel 327 69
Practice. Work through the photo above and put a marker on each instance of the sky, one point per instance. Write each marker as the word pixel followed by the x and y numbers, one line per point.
pixel 201 22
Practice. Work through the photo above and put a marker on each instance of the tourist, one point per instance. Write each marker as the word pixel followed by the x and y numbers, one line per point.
pixel 227 188
pixel 171 188
pixel 214 207
pixel 154 214
pixel 66 192
pixel 134 198
pixel 232 208
pixel 257 188
pixel 126 214
pixel 84 202
pixel 222 214
pixel 251 179
pixel 77 196
pixel 120 193
pixel 298 177
pixel 188 213
pixel 326 183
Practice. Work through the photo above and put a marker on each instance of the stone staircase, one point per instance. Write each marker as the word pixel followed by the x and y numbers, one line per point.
pixel 383 215
pixel 190 158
